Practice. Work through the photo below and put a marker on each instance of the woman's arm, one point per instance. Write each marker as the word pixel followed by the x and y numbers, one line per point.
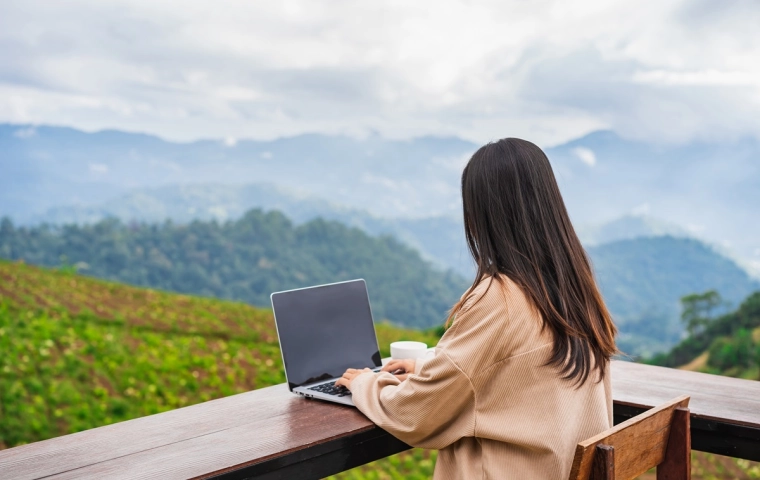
pixel 432 409
pixel 436 406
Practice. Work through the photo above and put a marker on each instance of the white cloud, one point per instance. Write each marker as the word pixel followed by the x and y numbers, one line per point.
pixel 699 78
pixel 695 228
pixel 28 132
pixel 98 168
pixel 585 155
pixel 753 268
pixel 546 70
pixel 371 179
pixel 642 209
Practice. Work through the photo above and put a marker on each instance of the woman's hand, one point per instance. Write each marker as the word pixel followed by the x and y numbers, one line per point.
pixel 349 376
pixel 406 367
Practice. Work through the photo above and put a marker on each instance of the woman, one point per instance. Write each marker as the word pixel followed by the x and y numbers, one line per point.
pixel 522 373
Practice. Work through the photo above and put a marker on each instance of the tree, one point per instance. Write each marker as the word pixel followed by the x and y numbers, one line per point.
pixel 698 309
pixel 738 352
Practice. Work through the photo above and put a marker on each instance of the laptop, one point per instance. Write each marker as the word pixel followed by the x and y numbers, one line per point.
pixel 323 331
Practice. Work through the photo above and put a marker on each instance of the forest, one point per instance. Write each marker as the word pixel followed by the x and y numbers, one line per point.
pixel 723 344
pixel 244 260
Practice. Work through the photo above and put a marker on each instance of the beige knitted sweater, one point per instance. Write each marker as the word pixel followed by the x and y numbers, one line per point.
pixel 485 400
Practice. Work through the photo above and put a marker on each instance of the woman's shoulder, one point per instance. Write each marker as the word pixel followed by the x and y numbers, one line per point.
pixel 498 291
pixel 496 321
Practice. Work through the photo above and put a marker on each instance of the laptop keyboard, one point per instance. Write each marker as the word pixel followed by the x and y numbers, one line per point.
pixel 331 389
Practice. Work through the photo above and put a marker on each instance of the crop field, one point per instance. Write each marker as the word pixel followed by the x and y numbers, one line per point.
pixel 79 353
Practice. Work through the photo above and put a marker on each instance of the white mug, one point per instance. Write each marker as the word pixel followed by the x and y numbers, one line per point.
pixel 408 350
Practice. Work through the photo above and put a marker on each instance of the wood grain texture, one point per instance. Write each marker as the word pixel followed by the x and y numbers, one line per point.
pixel 713 397
pixel 604 463
pixel 267 410
pixel 640 443
pixel 101 444
pixel 228 434
pixel 677 462
pixel 281 435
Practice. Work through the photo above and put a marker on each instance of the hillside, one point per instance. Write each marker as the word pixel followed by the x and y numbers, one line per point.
pixel 245 260
pixel 102 352
pixel 728 345
pixel 439 239
pixel 643 279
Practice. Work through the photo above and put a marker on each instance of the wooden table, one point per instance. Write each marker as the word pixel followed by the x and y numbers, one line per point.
pixel 273 434
pixel 725 412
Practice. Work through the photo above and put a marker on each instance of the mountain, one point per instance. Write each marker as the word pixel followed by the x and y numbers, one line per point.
pixel 438 239
pixel 727 345
pixel 628 227
pixel 52 166
pixel 707 189
pixel 643 279
pixel 245 260
pixel 208 201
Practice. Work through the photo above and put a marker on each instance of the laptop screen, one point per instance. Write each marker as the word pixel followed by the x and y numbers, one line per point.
pixel 324 330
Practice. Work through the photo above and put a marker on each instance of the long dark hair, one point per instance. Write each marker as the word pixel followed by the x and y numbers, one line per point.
pixel 517 225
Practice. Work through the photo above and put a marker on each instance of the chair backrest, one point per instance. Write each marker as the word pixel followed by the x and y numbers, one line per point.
pixel 658 437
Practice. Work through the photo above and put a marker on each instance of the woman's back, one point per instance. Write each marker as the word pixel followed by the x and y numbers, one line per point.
pixel 495 409
pixel 521 376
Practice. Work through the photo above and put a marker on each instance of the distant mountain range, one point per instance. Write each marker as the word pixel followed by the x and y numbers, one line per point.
pixel 708 190
pixel 635 206
pixel 628 227
pixel 641 279
pixel 439 239
pixel 246 260
pixel 711 190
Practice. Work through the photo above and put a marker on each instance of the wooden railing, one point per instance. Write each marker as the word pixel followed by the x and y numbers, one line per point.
pixel 273 434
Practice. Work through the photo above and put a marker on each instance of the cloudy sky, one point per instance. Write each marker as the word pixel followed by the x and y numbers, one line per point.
pixel 665 70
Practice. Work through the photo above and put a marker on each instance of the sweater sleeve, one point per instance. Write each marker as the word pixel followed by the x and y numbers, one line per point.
pixel 418 363
pixel 431 409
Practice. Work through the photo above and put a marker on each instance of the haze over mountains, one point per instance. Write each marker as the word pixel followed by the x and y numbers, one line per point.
pixel 439 239
pixel 635 205
pixel 247 259
pixel 705 190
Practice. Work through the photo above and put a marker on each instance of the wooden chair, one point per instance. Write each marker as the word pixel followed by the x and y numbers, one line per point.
pixel 658 437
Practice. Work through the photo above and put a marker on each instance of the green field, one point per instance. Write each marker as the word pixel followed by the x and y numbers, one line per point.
pixel 79 353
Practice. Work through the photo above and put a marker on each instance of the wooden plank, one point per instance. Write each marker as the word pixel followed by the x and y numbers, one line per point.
pixel 604 463
pixel 322 460
pixel 101 444
pixel 713 397
pixel 309 424
pixel 677 462
pixel 739 441
pixel 726 407
pixel 725 412
pixel 639 443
